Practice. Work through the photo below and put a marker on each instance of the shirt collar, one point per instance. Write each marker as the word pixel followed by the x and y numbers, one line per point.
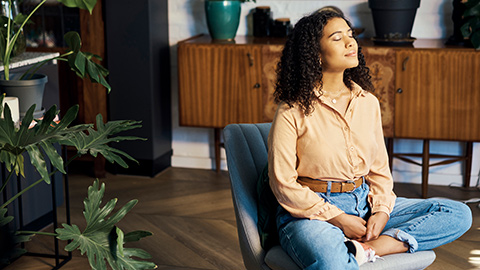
pixel 357 90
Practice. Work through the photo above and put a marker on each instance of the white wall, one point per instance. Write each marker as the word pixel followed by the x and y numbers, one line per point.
pixel 193 147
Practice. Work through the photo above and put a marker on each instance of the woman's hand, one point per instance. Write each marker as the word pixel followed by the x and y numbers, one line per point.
pixel 375 225
pixel 352 226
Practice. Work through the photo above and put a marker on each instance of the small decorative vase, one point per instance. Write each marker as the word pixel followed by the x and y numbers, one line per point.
pixel 29 91
pixel 223 18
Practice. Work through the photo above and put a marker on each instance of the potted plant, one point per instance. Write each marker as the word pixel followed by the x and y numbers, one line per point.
pixel 102 241
pixel 223 17
pixel 393 20
pixel 471 28
pixel 80 62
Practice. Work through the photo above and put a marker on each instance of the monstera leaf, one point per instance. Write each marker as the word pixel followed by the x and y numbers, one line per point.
pixel 4 220
pixel 101 240
pixel 95 142
pixel 82 62
pixel 15 141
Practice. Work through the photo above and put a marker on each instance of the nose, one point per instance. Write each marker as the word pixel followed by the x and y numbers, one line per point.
pixel 350 42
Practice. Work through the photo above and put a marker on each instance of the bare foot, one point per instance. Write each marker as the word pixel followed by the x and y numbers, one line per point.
pixel 385 245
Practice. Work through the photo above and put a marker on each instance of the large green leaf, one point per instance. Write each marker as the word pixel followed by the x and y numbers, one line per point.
pixel 83 4
pixel 73 41
pixel 472 8
pixel 82 62
pixel 471 29
pixel 38 141
pixel 15 141
pixel 96 142
pixel 101 240
pixel 4 219
pixel 136 236
pixel 21 18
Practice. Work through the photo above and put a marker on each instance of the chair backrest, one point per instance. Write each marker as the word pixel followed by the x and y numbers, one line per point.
pixel 246 149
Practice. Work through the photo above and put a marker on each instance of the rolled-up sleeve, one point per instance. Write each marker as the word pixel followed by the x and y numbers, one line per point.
pixel 381 196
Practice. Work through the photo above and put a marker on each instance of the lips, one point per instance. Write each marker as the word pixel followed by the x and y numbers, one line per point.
pixel 352 53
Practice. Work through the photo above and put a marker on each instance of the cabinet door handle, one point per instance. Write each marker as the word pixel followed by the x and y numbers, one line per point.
pixel 399 90
pixel 404 65
pixel 250 59
pixel 257 85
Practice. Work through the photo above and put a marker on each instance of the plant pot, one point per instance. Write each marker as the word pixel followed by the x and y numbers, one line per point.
pixel 223 18
pixel 29 92
pixel 393 19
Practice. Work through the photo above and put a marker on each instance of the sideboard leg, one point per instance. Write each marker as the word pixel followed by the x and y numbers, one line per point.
pixel 390 153
pixel 468 163
pixel 217 148
pixel 425 167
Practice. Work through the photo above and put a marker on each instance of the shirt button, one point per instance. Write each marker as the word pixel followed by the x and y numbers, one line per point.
pixel 345 128
pixel 351 148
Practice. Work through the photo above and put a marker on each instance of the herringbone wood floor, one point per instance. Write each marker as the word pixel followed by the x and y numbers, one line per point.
pixel 191 215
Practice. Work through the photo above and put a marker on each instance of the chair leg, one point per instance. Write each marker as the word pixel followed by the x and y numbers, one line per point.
pixel 425 167
pixel 217 149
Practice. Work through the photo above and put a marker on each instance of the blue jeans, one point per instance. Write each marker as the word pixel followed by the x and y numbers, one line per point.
pixel 422 224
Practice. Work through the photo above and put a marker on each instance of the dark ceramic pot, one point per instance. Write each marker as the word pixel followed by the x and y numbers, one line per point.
pixel 29 92
pixel 393 19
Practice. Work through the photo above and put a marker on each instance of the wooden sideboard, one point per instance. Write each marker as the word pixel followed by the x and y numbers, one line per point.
pixel 426 90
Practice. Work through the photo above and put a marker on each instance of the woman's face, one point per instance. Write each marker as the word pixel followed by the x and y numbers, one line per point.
pixel 338 48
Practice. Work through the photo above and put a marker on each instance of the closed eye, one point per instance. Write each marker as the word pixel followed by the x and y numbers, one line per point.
pixel 350 33
pixel 337 36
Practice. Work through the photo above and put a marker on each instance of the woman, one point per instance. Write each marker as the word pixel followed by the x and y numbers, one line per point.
pixel 328 164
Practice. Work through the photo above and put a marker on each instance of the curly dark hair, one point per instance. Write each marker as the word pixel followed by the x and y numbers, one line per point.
pixel 299 70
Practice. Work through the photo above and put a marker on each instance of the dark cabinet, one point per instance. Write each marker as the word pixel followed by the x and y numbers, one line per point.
pixel 138 54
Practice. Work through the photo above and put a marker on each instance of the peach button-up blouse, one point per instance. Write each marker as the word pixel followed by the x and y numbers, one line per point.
pixel 329 146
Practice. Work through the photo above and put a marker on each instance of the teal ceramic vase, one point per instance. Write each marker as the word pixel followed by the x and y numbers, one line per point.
pixel 223 18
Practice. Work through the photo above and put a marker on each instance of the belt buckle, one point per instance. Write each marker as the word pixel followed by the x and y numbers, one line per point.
pixel 349 182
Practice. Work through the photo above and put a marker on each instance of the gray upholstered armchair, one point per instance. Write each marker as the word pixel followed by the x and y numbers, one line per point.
pixel 246 148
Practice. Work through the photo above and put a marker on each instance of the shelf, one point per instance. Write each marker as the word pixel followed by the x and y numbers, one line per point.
pixel 29 58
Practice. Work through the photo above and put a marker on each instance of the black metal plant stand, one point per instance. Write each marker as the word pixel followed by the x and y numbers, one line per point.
pixel 60 259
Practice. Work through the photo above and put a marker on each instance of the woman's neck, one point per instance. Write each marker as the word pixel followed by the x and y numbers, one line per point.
pixel 333 82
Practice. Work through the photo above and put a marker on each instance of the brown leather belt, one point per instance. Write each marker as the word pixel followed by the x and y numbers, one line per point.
pixel 321 186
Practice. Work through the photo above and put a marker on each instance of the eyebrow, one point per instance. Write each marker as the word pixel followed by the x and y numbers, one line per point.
pixel 336 32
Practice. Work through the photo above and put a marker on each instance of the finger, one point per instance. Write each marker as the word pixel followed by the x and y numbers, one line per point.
pixel 363 232
pixel 364 223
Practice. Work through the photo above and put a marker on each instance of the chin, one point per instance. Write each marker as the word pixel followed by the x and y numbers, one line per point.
pixel 354 63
